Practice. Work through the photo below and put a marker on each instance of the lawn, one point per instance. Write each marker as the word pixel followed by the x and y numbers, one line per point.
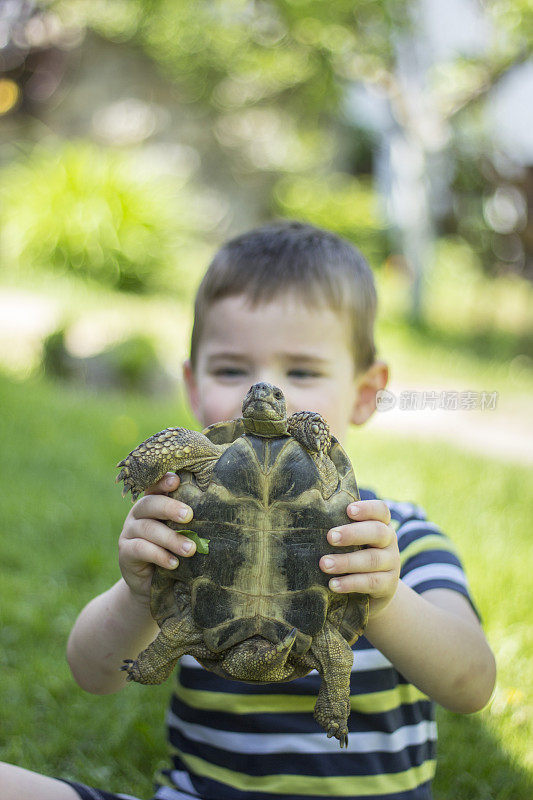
pixel 62 515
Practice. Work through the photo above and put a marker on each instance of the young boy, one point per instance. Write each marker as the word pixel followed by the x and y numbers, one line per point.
pixel 294 306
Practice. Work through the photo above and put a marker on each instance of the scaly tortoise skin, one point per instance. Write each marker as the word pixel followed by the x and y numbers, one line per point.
pixel 264 490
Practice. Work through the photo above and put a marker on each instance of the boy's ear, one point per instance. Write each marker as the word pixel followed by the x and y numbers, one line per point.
pixel 368 385
pixel 190 385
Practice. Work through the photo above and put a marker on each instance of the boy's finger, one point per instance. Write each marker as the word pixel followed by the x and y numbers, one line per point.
pixel 168 483
pixel 159 506
pixel 371 560
pixel 375 584
pixel 369 509
pixel 161 535
pixel 147 552
pixel 367 532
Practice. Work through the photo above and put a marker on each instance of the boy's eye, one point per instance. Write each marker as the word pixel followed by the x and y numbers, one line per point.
pixel 229 372
pixel 301 374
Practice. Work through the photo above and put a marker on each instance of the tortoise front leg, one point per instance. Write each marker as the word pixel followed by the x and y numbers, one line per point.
pixel 311 430
pixel 331 655
pixel 168 451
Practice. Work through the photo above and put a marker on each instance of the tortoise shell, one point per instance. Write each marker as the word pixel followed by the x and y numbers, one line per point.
pixel 256 607
pixel 266 521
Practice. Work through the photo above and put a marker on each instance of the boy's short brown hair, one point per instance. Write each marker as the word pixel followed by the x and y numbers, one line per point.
pixel 282 256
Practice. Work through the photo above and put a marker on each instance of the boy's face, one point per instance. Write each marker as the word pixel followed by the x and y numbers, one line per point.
pixel 303 350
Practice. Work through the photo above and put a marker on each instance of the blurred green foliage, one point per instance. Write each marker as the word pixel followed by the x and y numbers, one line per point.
pixel 341 203
pixel 289 49
pixel 268 81
pixel 82 209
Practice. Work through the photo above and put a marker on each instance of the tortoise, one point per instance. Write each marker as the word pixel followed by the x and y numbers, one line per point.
pixel 264 489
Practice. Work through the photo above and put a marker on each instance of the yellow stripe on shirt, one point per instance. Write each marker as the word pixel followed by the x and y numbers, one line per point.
pixel 311 785
pixel 429 542
pixel 373 702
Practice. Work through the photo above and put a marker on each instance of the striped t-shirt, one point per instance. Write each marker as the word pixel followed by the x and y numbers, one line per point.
pixel 237 741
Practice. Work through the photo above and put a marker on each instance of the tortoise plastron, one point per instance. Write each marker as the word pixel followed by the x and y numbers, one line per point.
pixel 256 607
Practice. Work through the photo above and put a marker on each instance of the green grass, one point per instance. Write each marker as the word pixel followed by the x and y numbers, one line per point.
pixel 62 514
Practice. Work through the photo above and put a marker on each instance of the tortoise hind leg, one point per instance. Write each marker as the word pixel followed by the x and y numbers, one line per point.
pixel 178 636
pixel 331 655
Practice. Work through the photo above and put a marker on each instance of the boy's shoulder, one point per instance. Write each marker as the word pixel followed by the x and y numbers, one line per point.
pixel 429 558
pixel 411 523
pixel 401 511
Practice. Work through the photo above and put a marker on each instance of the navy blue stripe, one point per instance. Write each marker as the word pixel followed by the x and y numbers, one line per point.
pixel 444 584
pixel 302 722
pixel 433 557
pixel 213 790
pixel 341 764
pixel 407 538
pixel 403 518
pixel 415 515
pixel 367 494
pixel 206 681
pixel 362 644
pixel 377 680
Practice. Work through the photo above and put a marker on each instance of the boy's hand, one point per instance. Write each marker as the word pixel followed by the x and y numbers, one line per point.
pixel 145 539
pixel 375 570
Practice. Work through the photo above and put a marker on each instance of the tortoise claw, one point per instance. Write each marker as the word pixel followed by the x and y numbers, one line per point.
pixel 335 730
pixel 126 667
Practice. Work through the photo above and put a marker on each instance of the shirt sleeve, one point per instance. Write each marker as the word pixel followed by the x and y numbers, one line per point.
pixel 429 559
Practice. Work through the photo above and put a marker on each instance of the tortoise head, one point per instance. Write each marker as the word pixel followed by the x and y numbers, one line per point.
pixel 264 410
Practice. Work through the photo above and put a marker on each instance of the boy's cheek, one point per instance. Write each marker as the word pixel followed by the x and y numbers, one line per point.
pixel 216 404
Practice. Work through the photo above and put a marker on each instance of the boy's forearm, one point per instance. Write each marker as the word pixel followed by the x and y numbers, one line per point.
pixel 443 654
pixel 112 627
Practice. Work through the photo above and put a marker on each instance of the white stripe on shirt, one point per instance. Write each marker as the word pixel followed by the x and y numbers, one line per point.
pixel 269 743
pixel 422 525
pixel 181 780
pixel 435 572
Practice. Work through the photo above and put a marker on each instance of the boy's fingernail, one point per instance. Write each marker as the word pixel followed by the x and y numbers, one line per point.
pixel 187 547
pixel 334 584
pixel 328 563
pixel 173 562
pixel 184 514
pixel 353 509
pixel 334 536
pixel 170 481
